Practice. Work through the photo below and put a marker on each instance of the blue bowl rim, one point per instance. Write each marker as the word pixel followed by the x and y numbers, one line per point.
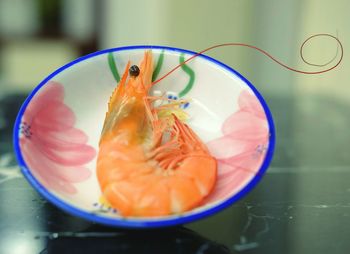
pixel 139 223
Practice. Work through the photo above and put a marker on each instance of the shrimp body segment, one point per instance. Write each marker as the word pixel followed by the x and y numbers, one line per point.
pixel 150 163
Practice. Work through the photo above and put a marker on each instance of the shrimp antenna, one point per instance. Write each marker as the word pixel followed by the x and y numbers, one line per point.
pixel 271 57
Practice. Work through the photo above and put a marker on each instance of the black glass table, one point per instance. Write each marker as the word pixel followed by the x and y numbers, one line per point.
pixel 302 205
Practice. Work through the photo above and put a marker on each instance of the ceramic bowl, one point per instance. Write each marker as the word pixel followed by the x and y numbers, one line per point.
pixel 57 130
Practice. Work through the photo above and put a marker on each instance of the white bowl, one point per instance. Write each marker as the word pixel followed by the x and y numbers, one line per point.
pixel 57 130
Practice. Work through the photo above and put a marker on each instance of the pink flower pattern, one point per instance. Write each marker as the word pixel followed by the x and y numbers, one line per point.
pixel 241 149
pixel 53 149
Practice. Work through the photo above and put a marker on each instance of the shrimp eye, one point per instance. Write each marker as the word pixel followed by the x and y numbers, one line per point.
pixel 134 71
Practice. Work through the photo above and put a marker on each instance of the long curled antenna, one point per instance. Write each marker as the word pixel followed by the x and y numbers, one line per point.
pixel 271 57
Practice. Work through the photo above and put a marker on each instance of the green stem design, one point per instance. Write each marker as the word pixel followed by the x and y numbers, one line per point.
pixel 185 68
pixel 158 66
pixel 113 67
pixel 190 73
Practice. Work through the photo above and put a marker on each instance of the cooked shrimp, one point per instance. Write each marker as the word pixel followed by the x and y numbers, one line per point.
pixel 150 163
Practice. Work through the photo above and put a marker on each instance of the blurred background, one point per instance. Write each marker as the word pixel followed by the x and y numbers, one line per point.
pixel 39 36
pixel 310 111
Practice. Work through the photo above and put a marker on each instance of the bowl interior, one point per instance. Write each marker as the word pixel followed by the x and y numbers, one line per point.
pixel 59 126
